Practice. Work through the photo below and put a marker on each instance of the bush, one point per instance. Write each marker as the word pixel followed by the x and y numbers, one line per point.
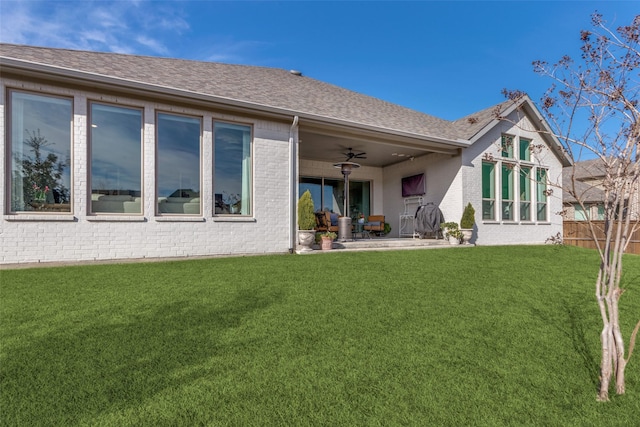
pixel 306 215
pixel 468 217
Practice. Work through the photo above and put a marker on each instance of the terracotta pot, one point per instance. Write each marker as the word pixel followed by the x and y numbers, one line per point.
pixel 327 243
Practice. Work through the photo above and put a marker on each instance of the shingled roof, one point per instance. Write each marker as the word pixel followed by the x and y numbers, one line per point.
pixel 259 87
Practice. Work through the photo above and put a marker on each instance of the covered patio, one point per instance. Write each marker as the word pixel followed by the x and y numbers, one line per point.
pixel 380 161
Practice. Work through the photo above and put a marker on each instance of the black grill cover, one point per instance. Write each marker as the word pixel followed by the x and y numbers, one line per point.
pixel 428 219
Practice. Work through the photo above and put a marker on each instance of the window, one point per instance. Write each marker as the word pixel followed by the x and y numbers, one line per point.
pixel 600 212
pixel 525 194
pixel 116 159
pixel 328 194
pixel 232 169
pixel 40 157
pixel 507 192
pixel 488 191
pixel 579 214
pixel 525 153
pixel 541 194
pixel 507 146
pixel 178 165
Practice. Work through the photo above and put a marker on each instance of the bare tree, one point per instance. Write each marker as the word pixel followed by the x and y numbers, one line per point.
pixel 592 107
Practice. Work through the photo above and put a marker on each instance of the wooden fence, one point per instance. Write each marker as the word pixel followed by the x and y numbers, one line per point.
pixel 577 233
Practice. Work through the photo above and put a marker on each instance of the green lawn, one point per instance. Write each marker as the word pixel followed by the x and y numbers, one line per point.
pixel 485 336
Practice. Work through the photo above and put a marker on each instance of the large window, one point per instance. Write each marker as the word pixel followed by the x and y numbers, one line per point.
pixel 525 194
pixel 488 191
pixel 507 146
pixel 328 194
pixel 40 155
pixel 232 169
pixel 525 152
pixel 507 192
pixel 541 194
pixel 116 159
pixel 178 165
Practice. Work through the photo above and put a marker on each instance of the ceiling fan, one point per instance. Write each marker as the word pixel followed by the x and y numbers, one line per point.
pixel 351 155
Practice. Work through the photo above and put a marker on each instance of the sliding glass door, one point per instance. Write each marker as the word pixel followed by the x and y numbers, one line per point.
pixel 328 194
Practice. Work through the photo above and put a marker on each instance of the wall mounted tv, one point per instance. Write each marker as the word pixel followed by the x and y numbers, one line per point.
pixel 413 185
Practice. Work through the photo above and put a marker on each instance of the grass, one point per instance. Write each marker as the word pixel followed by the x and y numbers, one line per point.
pixel 486 336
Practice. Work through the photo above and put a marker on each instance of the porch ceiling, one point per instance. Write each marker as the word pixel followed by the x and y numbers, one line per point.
pixel 321 146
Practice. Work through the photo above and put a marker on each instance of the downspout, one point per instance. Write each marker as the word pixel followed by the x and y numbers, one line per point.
pixel 293 185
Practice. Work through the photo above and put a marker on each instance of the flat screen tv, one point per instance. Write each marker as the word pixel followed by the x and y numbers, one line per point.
pixel 413 185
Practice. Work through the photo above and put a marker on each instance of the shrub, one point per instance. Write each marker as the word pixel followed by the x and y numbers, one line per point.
pixel 306 216
pixel 468 217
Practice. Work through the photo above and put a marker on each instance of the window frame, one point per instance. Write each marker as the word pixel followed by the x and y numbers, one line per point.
pixel 510 202
pixel 9 146
pixel 323 182
pixel 526 151
pixel 543 192
pixel 157 163
pixel 507 143
pixel 90 149
pixel 492 187
pixel 251 168
pixel 524 204
pixel 580 214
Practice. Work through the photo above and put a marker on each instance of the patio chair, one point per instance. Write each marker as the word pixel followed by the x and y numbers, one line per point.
pixel 324 223
pixel 375 224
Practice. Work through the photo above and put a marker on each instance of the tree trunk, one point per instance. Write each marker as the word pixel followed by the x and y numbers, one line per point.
pixel 606 370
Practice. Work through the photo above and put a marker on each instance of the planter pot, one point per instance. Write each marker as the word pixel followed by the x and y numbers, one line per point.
pixel 305 239
pixel 454 240
pixel 466 235
pixel 327 244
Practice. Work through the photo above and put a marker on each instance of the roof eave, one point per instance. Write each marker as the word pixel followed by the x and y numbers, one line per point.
pixel 73 76
pixel 526 102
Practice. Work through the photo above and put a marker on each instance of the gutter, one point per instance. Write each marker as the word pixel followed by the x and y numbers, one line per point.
pixel 293 184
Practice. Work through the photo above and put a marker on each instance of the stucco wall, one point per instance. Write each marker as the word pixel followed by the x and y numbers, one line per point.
pixel 443 186
pixel 78 236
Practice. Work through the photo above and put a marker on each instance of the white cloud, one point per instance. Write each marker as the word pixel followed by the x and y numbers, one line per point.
pixel 116 26
pixel 152 44
pixel 229 50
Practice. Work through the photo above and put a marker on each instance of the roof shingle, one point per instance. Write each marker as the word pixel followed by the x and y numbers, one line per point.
pixel 269 87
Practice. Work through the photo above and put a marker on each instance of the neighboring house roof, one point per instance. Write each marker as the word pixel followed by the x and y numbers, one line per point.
pixel 586 177
pixel 585 192
pixel 575 188
pixel 259 88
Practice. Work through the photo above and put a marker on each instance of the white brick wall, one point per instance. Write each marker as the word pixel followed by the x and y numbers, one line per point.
pixel 451 182
pixel 77 236
pixel 507 232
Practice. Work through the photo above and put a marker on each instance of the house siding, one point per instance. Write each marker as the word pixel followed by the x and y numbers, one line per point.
pixel 511 232
pixel 79 236
pixel 443 182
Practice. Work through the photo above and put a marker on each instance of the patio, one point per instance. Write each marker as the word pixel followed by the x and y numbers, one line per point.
pixel 387 243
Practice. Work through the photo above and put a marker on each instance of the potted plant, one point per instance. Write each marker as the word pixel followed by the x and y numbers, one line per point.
pixel 306 222
pixel 327 240
pixel 452 232
pixel 466 223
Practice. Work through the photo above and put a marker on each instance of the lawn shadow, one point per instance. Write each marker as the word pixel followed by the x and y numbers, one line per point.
pixel 578 337
pixel 68 376
pixel 575 331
